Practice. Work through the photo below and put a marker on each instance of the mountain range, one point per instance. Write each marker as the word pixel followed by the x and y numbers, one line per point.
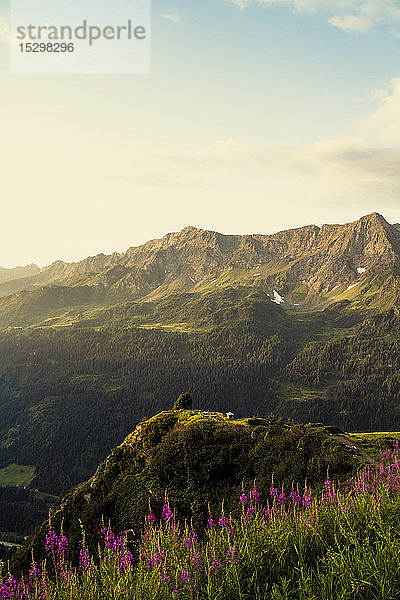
pixel 307 267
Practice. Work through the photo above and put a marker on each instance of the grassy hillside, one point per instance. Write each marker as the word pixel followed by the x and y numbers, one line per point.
pixel 196 458
pixel 298 545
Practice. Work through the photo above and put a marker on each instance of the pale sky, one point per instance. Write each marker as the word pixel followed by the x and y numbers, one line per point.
pixel 259 115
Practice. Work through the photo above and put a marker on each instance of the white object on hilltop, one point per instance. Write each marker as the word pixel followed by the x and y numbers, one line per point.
pixel 277 298
pixel 361 270
pixel 229 415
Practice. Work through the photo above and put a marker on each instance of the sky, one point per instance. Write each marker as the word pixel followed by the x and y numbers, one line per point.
pixel 258 115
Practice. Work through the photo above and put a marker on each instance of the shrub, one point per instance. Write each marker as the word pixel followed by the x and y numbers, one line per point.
pixel 184 402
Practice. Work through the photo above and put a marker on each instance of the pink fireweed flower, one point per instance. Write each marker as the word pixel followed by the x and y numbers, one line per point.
pixel 156 559
pixel 190 540
pixel 167 513
pixel 255 496
pixel 51 540
pixel 273 492
pixel 126 561
pixel 231 556
pixel 112 542
pixel 185 578
pixel 108 537
pixel 307 500
pixel 329 496
pixel 8 588
pixel 62 545
pixel 196 559
pixel 34 572
pixel 268 515
pixel 210 523
pixel 243 499
pixel 66 575
pixel 85 562
pixel 295 497
pixel 282 498
pixel 223 521
pixel 56 544
pixel 216 564
pixel 151 518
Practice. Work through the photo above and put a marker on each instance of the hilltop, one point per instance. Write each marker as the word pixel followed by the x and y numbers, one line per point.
pixel 196 459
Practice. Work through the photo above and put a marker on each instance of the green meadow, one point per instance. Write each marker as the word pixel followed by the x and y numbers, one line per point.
pixel 17 475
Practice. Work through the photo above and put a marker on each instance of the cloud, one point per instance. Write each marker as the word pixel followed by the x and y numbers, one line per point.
pixel 240 3
pixel 384 122
pixel 175 17
pixel 359 171
pixel 356 16
pixel 352 23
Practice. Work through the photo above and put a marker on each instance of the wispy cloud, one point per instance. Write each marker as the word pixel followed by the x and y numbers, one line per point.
pixel 384 122
pixel 358 170
pixel 175 17
pixel 357 16
pixel 352 23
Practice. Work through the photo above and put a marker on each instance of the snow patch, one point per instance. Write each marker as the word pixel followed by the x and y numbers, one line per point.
pixel 335 288
pixel 361 270
pixel 351 286
pixel 296 304
pixel 193 280
pixel 256 274
pixel 277 298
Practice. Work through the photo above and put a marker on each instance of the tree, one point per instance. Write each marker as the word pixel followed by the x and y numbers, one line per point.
pixel 184 402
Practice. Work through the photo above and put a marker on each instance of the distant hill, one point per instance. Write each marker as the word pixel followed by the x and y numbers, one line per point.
pixel 16 273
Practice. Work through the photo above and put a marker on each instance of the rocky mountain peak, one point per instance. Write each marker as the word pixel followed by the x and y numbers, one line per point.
pixel 374 218
pixel 320 258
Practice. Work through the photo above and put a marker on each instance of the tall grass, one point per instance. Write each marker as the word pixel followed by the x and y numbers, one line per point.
pixel 345 544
